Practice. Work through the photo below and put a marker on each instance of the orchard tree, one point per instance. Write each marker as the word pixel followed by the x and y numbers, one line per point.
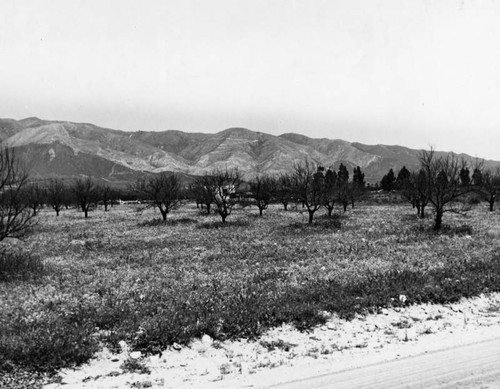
pixel 85 193
pixel 107 195
pixel 201 190
pixel 15 214
pixel 223 185
pixel 284 191
pixel 163 190
pixel 56 194
pixel 35 197
pixel 491 186
pixel 309 186
pixel 330 190
pixel 262 188
pixel 443 186
pixel 411 186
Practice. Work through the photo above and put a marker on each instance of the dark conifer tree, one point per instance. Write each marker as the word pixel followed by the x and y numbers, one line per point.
pixel 388 181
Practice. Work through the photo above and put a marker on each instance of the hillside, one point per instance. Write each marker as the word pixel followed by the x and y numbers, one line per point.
pixel 66 149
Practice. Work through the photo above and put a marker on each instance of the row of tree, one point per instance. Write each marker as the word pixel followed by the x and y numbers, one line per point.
pixel 83 192
pixel 442 182
pixel 445 183
pixel 308 184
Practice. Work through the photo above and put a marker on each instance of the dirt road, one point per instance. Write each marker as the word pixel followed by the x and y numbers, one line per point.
pixel 471 366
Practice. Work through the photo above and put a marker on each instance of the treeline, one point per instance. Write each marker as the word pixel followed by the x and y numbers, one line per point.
pixel 84 193
pixel 443 183
pixel 309 184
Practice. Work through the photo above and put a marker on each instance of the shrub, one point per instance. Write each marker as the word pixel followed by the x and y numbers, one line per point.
pixel 17 265
pixel 228 224
pixel 171 222
pixel 46 343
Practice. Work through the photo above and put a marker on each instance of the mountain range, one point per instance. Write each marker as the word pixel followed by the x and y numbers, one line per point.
pixel 67 150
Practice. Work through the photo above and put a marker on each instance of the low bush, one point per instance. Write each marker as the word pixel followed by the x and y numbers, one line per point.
pixel 227 224
pixel 19 265
pixel 169 222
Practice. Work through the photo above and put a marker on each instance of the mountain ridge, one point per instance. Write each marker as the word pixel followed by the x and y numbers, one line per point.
pixel 67 149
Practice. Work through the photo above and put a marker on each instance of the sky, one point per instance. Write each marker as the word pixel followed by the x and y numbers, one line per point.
pixel 417 73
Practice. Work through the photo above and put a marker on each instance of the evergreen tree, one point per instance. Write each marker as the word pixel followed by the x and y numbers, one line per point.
pixel 343 174
pixel 358 178
pixel 402 179
pixel 477 177
pixel 343 188
pixel 358 185
pixel 465 176
pixel 388 181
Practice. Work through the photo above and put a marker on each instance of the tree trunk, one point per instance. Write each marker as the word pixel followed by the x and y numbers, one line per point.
pixel 57 212
pixel 422 212
pixel 260 211
pixel 492 202
pixel 311 215
pixel 438 221
pixel 285 206
pixel 223 216
pixel 345 206
pixel 330 210
pixel 164 215
pixel 86 211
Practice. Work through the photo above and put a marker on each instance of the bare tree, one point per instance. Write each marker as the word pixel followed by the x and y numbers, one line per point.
pixel 443 186
pixel 106 195
pixel 413 187
pixel 164 192
pixel 284 191
pixel 35 196
pixel 491 186
pixel 262 188
pixel 15 214
pixel 85 192
pixel 223 184
pixel 56 194
pixel 309 186
pixel 201 191
pixel 330 191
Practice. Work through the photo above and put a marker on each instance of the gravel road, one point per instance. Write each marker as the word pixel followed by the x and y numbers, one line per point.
pixel 471 366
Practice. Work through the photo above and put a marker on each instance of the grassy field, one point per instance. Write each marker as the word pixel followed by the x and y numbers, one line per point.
pixel 76 284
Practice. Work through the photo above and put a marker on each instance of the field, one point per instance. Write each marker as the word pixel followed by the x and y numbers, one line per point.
pixel 76 284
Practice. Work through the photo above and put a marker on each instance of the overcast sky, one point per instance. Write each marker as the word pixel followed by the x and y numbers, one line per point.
pixel 414 73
